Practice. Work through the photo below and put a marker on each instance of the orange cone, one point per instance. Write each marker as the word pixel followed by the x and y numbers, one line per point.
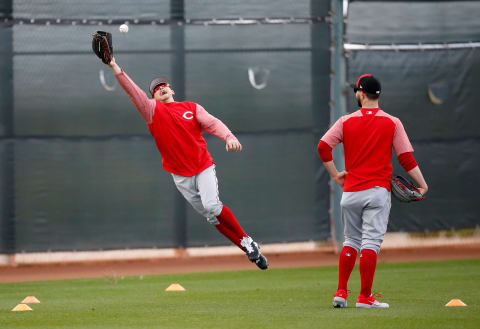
pixel 30 300
pixel 21 307
pixel 455 302
pixel 175 287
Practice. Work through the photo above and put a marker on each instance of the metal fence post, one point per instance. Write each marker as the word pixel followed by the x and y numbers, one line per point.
pixel 8 243
pixel 338 108
pixel 177 42
pixel 320 85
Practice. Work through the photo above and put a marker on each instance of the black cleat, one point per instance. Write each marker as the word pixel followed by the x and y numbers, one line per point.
pixel 254 254
pixel 262 262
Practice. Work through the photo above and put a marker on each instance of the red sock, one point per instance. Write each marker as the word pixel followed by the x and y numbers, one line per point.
pixel 226 218
pixel 229 234
pixel 346 263
pixel 368 263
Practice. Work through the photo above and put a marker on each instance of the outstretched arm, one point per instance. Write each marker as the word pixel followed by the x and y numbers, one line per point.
pixel 217 128
pixel 144 105
pixel 114 66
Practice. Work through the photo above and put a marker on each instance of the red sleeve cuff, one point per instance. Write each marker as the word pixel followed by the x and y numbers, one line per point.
pixel 407 161
pixel 324 151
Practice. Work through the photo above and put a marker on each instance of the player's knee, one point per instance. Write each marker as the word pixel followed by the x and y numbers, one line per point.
pixel 213 209
pixel 354 243
pixel 213 220
pixel 372 244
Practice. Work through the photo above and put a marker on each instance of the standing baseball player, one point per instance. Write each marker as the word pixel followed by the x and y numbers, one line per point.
pixel 368 136
pixel 177 129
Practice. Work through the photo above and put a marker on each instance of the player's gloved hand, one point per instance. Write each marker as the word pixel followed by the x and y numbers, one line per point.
pixel 102 46
pixel 404 190
pixel 340 178
pixel 233 145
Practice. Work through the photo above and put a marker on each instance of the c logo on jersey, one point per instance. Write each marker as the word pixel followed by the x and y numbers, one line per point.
pixel 188 115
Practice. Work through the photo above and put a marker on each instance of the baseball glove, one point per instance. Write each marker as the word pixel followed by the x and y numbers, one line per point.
pixel 102 46
pixel 404 190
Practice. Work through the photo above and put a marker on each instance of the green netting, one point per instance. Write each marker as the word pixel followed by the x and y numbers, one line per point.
pixel 88 194
pixel 76 94
pixel 91 9
pixel 86 174
pixel 451 170
pixel 445 135
pixel 411 22
pixel 406 80
pixel 270 186
pixel 248 8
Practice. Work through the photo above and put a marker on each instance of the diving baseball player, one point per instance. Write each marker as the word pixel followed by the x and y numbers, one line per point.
pixel 177 129
pixel 368 136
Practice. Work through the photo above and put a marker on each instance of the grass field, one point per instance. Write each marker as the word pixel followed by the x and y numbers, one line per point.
pixel 290 298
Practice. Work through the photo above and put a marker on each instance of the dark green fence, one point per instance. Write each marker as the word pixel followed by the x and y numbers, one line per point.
pixel 434 93
pixel 79 168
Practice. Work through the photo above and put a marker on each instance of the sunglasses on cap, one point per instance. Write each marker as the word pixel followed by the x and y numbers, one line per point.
pixel 164 84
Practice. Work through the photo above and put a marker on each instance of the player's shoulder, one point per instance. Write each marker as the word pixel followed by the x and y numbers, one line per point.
pixel 188 104
pixel 382 113
pixel 195 104
pixel 349 116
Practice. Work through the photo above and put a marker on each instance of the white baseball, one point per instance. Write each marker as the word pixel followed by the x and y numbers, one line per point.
pixel 123 28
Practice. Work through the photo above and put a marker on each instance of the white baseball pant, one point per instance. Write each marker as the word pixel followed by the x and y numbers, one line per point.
pixel 201 191
pixel 365 217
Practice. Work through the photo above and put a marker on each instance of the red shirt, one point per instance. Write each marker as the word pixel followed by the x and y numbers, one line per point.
pixel 368 136
pixel 178 136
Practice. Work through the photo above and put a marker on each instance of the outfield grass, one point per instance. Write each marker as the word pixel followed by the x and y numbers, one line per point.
pixel 290 298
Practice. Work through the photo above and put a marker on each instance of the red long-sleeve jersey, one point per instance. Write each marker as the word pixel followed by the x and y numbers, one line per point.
pixel 177 129
pixel 178 136
pixel 368 136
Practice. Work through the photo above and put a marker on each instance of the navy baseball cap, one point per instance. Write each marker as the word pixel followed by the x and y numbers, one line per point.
pixel 157 82
pixel 369 84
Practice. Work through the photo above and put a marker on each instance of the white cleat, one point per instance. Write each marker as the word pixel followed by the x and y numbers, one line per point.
pixel 339 302
pixel 340 298
pixel 370 302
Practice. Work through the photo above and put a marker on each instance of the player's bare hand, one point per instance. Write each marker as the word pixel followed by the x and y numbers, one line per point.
pixel 113 65
pixel 340 178
pixel 233 145
pixel 422 190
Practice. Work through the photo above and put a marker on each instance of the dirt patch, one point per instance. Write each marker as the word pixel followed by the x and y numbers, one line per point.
pixel 220 263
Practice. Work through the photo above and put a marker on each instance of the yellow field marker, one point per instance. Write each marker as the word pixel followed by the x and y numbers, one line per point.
pixel 21 307
pixel 30 300
pixel 456 302
pixel 175 287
